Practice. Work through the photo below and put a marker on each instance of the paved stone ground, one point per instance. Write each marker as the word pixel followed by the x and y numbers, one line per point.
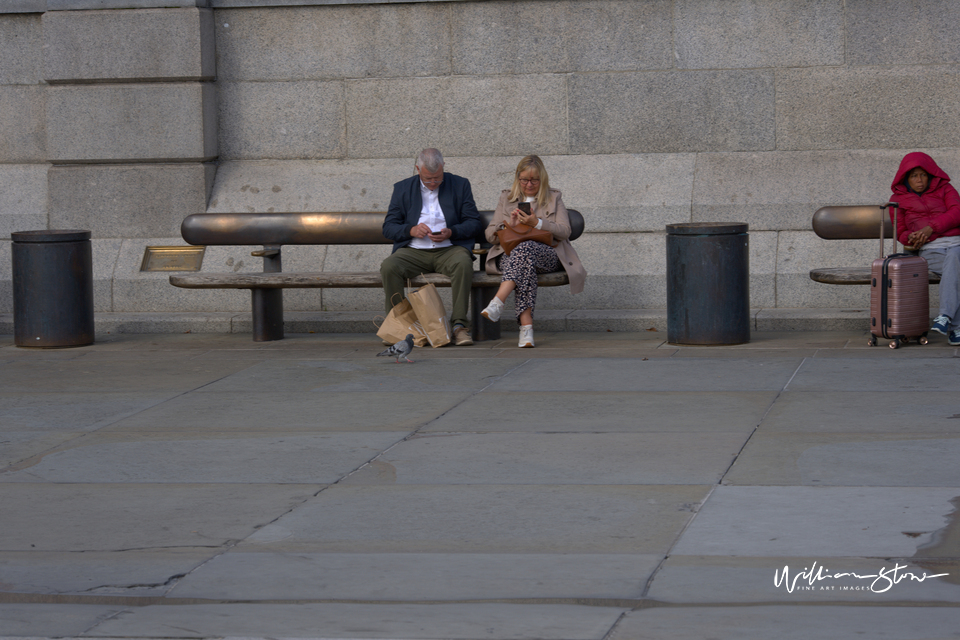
pixel 601 486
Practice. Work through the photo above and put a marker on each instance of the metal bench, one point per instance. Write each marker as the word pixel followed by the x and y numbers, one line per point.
pixel 273 230
pixel 853 222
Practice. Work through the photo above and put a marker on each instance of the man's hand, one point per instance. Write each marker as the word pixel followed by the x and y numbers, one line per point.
pixel 440 236
pixel 420 231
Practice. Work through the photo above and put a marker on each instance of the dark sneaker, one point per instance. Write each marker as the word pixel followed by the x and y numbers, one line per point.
pixel 461 336
pixel 954 338
pixel 941 324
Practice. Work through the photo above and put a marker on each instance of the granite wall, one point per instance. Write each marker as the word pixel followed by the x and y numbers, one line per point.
pixel 124 116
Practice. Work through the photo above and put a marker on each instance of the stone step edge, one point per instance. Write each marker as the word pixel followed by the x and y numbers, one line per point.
pixel 585 320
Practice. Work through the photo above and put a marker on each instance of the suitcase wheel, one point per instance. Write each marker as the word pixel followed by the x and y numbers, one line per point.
pixel 895 344
pixel 922 340
pixel 872 341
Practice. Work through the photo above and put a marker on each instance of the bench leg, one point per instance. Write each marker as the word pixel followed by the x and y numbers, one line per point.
pixel 483 329
pixel 267 314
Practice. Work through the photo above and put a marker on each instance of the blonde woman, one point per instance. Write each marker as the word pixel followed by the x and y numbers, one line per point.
pixel 547 211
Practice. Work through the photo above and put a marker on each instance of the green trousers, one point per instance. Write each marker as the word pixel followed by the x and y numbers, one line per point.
pixel 454 262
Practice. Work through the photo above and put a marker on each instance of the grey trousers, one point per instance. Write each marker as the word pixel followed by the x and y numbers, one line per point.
pixel 946 262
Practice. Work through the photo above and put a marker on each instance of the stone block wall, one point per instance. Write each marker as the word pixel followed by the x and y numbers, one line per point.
pixel 109 123
pixel 124 116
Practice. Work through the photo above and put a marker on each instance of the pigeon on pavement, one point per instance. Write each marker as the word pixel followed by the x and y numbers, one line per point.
pixel 401 350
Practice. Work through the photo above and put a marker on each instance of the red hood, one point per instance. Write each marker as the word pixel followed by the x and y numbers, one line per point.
pixel 918 159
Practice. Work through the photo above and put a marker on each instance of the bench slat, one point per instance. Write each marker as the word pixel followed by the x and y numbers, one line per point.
pixel 343 280
pixel 850 222
pixel 333 227
pixel 850 275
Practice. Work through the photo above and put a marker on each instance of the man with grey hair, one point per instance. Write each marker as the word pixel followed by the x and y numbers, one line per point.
pixel 434 223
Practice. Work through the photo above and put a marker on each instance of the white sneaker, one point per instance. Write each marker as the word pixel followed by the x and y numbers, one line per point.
pixel 526 336
pixel 492 312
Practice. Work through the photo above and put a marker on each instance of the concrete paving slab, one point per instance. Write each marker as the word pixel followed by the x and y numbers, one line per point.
pixel 142 573
pixel 555 459
pixel 801 580
pixel 554 340
pixel 806 319
pixel 393 621
pixel 607 411
pixel 379 374
pixel 176 347
pixel 789 623
pixel 862 412
pixel 333 352
pixel 273 459
pixel 40 411
pixel 105 517
pixel 718 352
pixel 157 342
pixel 606 353
pixel 486 519
pixel 787 340
pixel 500 541
pixel 653 375
pixel 315 346
pixel 818 522
pixel 17 446
pixel 848 459
pixel 11 354
pixel 478 351
pixel 313 411
pixel 293 346
pixel 51 620
pixel 413 577
pixel 8 350
pixel 928 352
pixel 75 376
pixel 565 344
pixel 877 374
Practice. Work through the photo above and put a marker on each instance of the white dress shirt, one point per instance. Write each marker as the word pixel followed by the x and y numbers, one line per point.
pixel 432 216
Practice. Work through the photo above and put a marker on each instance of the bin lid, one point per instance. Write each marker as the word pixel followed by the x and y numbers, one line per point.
pixel 706 228
pixel 51 235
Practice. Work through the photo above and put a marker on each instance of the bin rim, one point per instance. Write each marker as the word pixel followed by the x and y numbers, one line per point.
pixel 51 235
pixel 706 228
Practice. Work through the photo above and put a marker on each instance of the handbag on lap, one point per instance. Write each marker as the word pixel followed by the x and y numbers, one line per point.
pixel 512 235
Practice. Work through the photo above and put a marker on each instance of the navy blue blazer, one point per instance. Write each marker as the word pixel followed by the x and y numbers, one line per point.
pixel 456 202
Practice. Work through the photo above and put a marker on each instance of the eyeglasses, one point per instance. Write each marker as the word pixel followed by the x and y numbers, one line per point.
pixel 529 180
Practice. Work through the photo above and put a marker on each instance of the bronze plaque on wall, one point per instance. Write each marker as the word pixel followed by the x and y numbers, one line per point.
pixel 172 259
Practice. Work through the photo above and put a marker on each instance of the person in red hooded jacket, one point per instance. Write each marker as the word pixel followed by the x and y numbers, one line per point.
pixel 929 220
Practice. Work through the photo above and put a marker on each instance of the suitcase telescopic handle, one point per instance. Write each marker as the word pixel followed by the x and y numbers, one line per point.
pixel 894 206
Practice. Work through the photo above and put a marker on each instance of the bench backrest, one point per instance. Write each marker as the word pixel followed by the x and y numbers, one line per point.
pixel 275 229
pixel 858 222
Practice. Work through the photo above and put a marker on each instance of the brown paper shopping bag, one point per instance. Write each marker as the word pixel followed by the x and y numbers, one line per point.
pixel 433 320
pixel 400 322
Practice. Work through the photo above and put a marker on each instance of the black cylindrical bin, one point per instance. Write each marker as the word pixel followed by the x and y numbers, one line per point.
pixel 708 283
pixel 52 288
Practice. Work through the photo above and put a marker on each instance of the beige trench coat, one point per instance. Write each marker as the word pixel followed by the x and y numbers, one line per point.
pixel 555 220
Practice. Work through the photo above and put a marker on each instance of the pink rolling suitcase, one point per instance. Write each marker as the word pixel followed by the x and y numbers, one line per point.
pixel 899 295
